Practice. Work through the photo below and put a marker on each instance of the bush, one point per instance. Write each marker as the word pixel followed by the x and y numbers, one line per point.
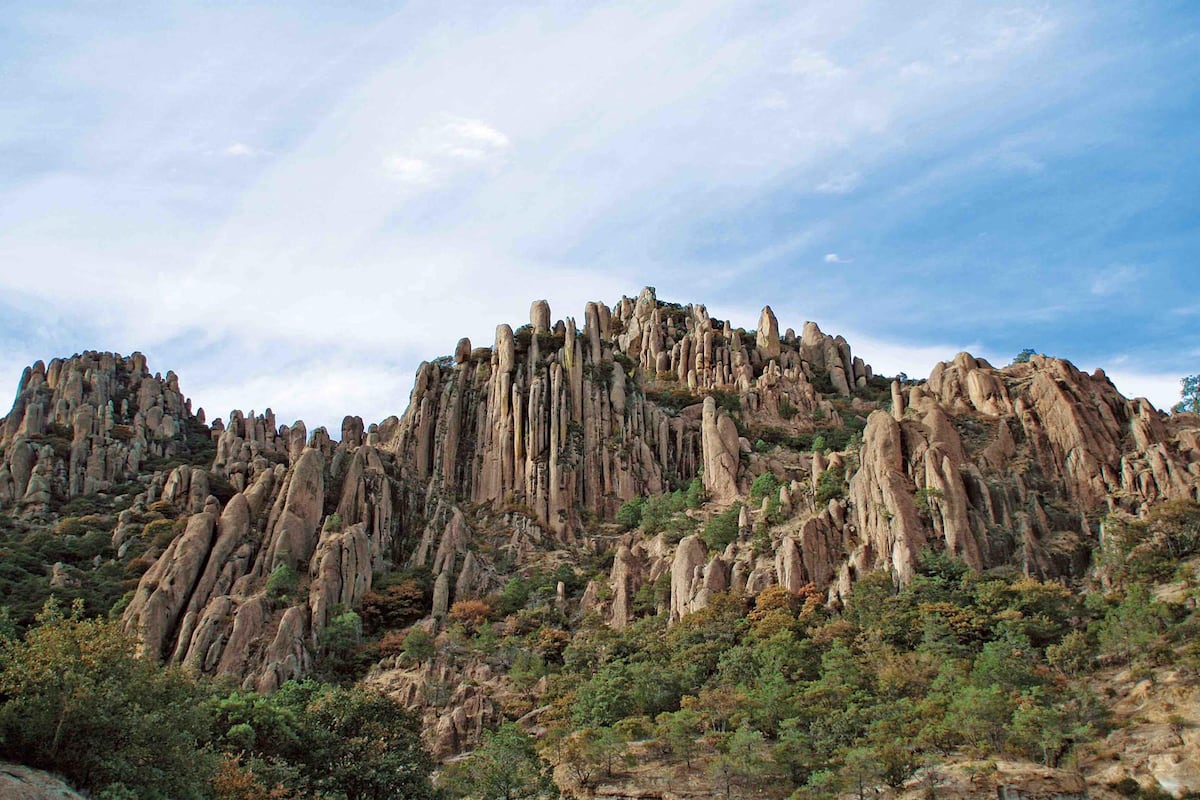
pixel 394 606
pixel 722 529
pixel 159 533
pixel 629 516
pixel 765 485
pixel 512 598
pixel 471 614
pixel 282 582
pixel 831 485
pixel 658 510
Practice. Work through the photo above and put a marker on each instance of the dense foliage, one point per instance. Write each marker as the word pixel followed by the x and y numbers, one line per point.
pixel 75 699
pixel 785 691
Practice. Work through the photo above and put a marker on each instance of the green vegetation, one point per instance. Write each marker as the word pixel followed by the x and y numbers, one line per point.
pixel 506 766
pixel 1024 356
pixel 282 582
pixel 74 699
pixel 722 529
pixel 831 485
pixel 1189 392
pixel 985 665
pixel 663 512
pixel 827 437
pixel 83 545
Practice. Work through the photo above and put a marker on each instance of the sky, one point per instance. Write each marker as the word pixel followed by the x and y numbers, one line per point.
pixel 293 204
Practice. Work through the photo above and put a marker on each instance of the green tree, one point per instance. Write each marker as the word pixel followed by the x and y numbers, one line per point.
pixel 1130 629
pixel 1024 356
pixel 504 767
pixel 365 745
pixel 1189 391
pixel 75 699
pixel 418 646
pixel 722 529
pixel 282 581
pixel 338 644
pixel 629 515
pixel 676 733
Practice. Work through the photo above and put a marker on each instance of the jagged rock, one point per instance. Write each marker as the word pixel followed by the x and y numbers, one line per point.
pixel 626 580
pixel 722 454
pixel 293 528
pixel 882 496
pixel 544 436
pixel 462 352
pixel 341 572
pixel 689 561
pixel 164 590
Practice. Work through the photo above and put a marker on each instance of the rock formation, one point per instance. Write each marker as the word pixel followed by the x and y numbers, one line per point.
pixel 509 456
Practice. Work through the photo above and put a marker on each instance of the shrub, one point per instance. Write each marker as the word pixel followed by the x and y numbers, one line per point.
pixel 765 485
pixel 470 614
pixel 418 646
pixel 283 581
pixel 513 597
pixel 394 606
pixel 629 516
pixel 831 485
pixel 159 533
pixel 722 529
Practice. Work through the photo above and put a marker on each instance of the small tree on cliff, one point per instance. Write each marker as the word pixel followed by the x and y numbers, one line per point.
pixel 1189 391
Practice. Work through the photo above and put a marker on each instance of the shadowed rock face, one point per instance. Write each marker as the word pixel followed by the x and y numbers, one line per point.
pixel 534 443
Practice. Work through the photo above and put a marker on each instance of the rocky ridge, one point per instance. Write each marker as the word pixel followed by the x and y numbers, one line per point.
pixel 523 452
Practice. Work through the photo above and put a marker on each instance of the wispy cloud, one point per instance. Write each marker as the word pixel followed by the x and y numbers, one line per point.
pixel 243 150
pixel 1114 279
pixel 842 183
pixel 472 139
pixel 395 179
pixel 814 65
pixel 409 170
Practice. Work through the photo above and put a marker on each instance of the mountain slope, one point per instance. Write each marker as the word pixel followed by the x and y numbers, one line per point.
pixel 249 541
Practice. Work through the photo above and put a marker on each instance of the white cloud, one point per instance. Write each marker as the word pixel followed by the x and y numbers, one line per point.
pixel 773 101
pixel 243 150
pixel 560 145
pixel 1160 389
pixel 473 130
pixel 815 65
pixel 842 183
pixel 409 170
pixel 834 258
pixel 1114 279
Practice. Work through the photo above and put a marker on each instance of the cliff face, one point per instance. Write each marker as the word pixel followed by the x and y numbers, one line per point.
pixel 523 452
pixel 86 424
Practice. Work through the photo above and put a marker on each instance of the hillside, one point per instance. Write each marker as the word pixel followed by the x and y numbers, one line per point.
pixel 587 528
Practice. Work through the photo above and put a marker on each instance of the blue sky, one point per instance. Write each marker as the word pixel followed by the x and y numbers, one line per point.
pixel 292 205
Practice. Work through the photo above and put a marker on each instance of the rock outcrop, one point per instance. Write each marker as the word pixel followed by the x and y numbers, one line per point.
pixel 23 783
pixel 522 453
pixel 88 423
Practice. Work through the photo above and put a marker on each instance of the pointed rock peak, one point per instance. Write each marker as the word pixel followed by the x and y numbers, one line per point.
pixel 506 347
pixel 539 316
pixel 767 338
pixel 462 351
pixel 647 301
